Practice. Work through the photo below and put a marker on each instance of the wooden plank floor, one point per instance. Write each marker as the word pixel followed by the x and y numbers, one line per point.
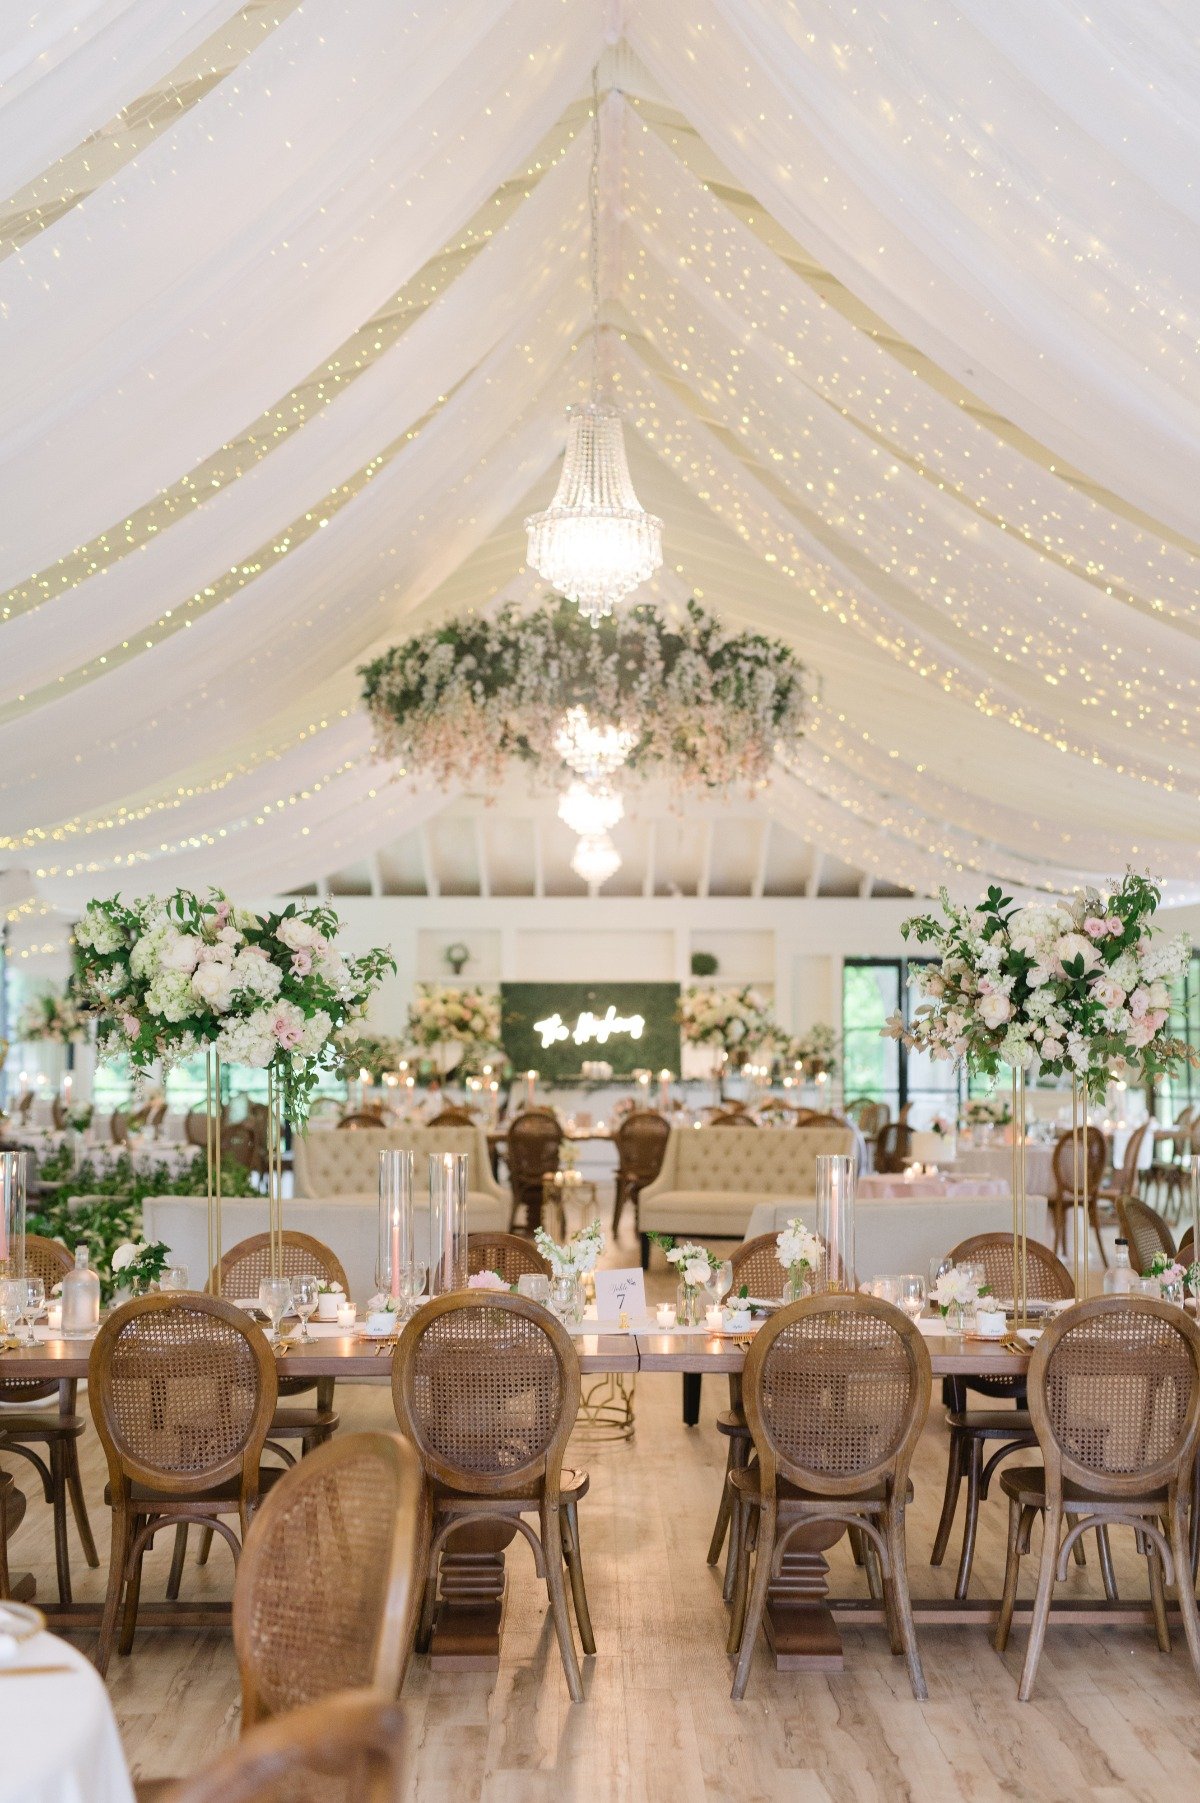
pixel 1113 1718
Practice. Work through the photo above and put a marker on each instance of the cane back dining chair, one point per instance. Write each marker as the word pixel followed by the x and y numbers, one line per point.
pixel 330 1577
pixel 451 1116
pixel 531 1149
pixel 1145 1232
pixel 1062 1194
pixel 55 1431
pixel 836 1390
pixel 1103 1205
pixel 1114 1395
pixel 510 1256
pixel 732 1117
pixel 348 1748
pixel 972 1430
pixel 486 1386
pixel 12 1513
pixel 641 1141
pixel 182 1390
pixel 893 1147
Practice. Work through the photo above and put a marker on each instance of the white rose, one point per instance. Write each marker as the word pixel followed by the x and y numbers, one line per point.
pixel 298 934
pixel 995 1009
pixel 1076 945
pixel 214 983
pixel 179 951
pixel 124 1255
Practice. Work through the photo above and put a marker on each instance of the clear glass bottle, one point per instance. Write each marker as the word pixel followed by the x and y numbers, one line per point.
pixel 80 1299
pixel 1121 1279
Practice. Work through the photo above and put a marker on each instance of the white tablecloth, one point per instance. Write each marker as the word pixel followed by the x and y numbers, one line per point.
pixel 58 1739
pixel 928 1189
pixel 892 1237
pixel 996 1161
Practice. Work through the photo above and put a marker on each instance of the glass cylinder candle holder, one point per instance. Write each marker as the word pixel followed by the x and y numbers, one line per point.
pixel 14 1169
pixel 447 1222
pixel 836 1180
pixel 396 1252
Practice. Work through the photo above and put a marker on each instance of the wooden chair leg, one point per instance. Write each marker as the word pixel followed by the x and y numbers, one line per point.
pixel 133 1591
pixel 903 1601
pixel 118 1556
pixel 1158 1596
pixel 175 1576
pixel 724 1510
pixel 971 1523
pixel 1186 1592
pixel 58 1499
pixel 1051 1535
pixel 954 1473
pixel 736 1530
pixel 1107 1572
pixel 741 1585
pixel 757 1600
pixel 574 1559
pixel 79 1505
pixel 1012 1568
pixel 206 1540
pixel 1094 1211
pixel 551 1547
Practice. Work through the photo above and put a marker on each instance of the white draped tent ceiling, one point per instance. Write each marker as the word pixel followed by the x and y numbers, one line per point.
pixel 898 304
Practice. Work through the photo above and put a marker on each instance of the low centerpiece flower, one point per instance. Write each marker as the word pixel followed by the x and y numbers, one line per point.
pixel 694 1267
pixel 54 1016
pixel 1171 1276
pixel 569 1265
pixel 487 1280
pixel 799 1252
pixel 955 1291
pixel 138 1264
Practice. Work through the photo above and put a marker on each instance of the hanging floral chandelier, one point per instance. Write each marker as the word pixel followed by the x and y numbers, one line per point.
pixel 595 542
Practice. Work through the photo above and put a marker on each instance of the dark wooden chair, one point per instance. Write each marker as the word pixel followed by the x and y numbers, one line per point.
pixel 534 1139
pixel 641 1141
pixel 1061 1199
pixel 893 1148
pixel 756 1264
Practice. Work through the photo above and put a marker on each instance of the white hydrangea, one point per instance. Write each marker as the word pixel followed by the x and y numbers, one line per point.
pixel 248 1039
pixel 94 928
pixel 798 1245
pixel 146 955
pixel 315 1032
pixel 170 995
pixel 255 975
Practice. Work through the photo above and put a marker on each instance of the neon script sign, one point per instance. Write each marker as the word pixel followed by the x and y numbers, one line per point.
pixel 589 1028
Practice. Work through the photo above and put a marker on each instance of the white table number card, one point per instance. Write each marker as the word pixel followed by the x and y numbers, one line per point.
pixel 621 1292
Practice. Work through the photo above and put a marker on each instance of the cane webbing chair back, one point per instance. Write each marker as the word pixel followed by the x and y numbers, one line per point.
pixel 836 1390
pixel 534 1137
pixel 245 1265
pixel 1047 1277
pixel 324 1594
pixel 182 1389
pixel 641 1141
pixel 49 1260
pixel 486 1386
pixel 756 1264
pixel 1145 1231
pixel 1114 1395
pixel 507 1254
pixel 348 1748
pixel 1126 1181
pixel 1062 1162
pixel 1187 1249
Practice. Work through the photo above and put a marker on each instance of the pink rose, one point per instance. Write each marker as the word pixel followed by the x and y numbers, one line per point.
pixel 486 1280
pixel 301 963
pixel 1115 927
pixel 222 913
pixel 1141 1032
pixel 286 1031
pixel 1139 1002
pixel 129 1023
pixel 1094 927
pixel 1157 1018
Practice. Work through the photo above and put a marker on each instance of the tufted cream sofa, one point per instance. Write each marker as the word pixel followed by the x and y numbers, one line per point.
pixel 345 1165
pixel 712 1177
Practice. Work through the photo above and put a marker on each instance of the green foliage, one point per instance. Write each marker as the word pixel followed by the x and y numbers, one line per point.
pixel 704 964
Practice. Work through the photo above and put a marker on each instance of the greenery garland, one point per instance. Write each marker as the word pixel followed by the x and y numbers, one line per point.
pixel 708 709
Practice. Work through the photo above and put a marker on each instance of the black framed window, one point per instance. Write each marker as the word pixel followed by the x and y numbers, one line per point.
pixel 884 1069
pixel 1182 1089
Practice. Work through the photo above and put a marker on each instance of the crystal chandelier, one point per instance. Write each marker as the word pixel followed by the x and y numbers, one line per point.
pixel 595 542
pixel 594 752
pixel 590 811
pixel 596 859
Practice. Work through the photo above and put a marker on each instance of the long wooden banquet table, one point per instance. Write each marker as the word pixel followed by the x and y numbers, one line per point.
pixel 802 1618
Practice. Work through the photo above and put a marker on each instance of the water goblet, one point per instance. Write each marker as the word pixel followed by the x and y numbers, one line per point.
pixel 912 1295
pixel 175 1277
pixel 720 1280
pixel 33 1300
pixel 304 1299
pixel 535 1286
pixel 9 1301
pixel 274 1294
pixel 887 1289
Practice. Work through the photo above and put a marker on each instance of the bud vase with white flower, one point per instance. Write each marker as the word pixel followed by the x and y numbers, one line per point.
pixel 955 1292
pixel 1170 1276
pixel 330 1297
pixel 695 1267
pixel 569 1265
pixel 136 1265
pixel 799 1252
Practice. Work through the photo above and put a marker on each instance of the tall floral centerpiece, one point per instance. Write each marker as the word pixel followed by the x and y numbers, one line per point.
pixel 1078 987
pixel 445 1015
pixel 54 1016
pixel 170 978
pixel 733 1022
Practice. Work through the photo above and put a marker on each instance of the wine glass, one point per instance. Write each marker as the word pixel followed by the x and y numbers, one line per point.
pixel 12 1291
pixel 912 1295
pixel 720 1280
pixel 411 1287
pixel 304 1300
pixel 175 1277
pixel 29 1294
pixel 274 1294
